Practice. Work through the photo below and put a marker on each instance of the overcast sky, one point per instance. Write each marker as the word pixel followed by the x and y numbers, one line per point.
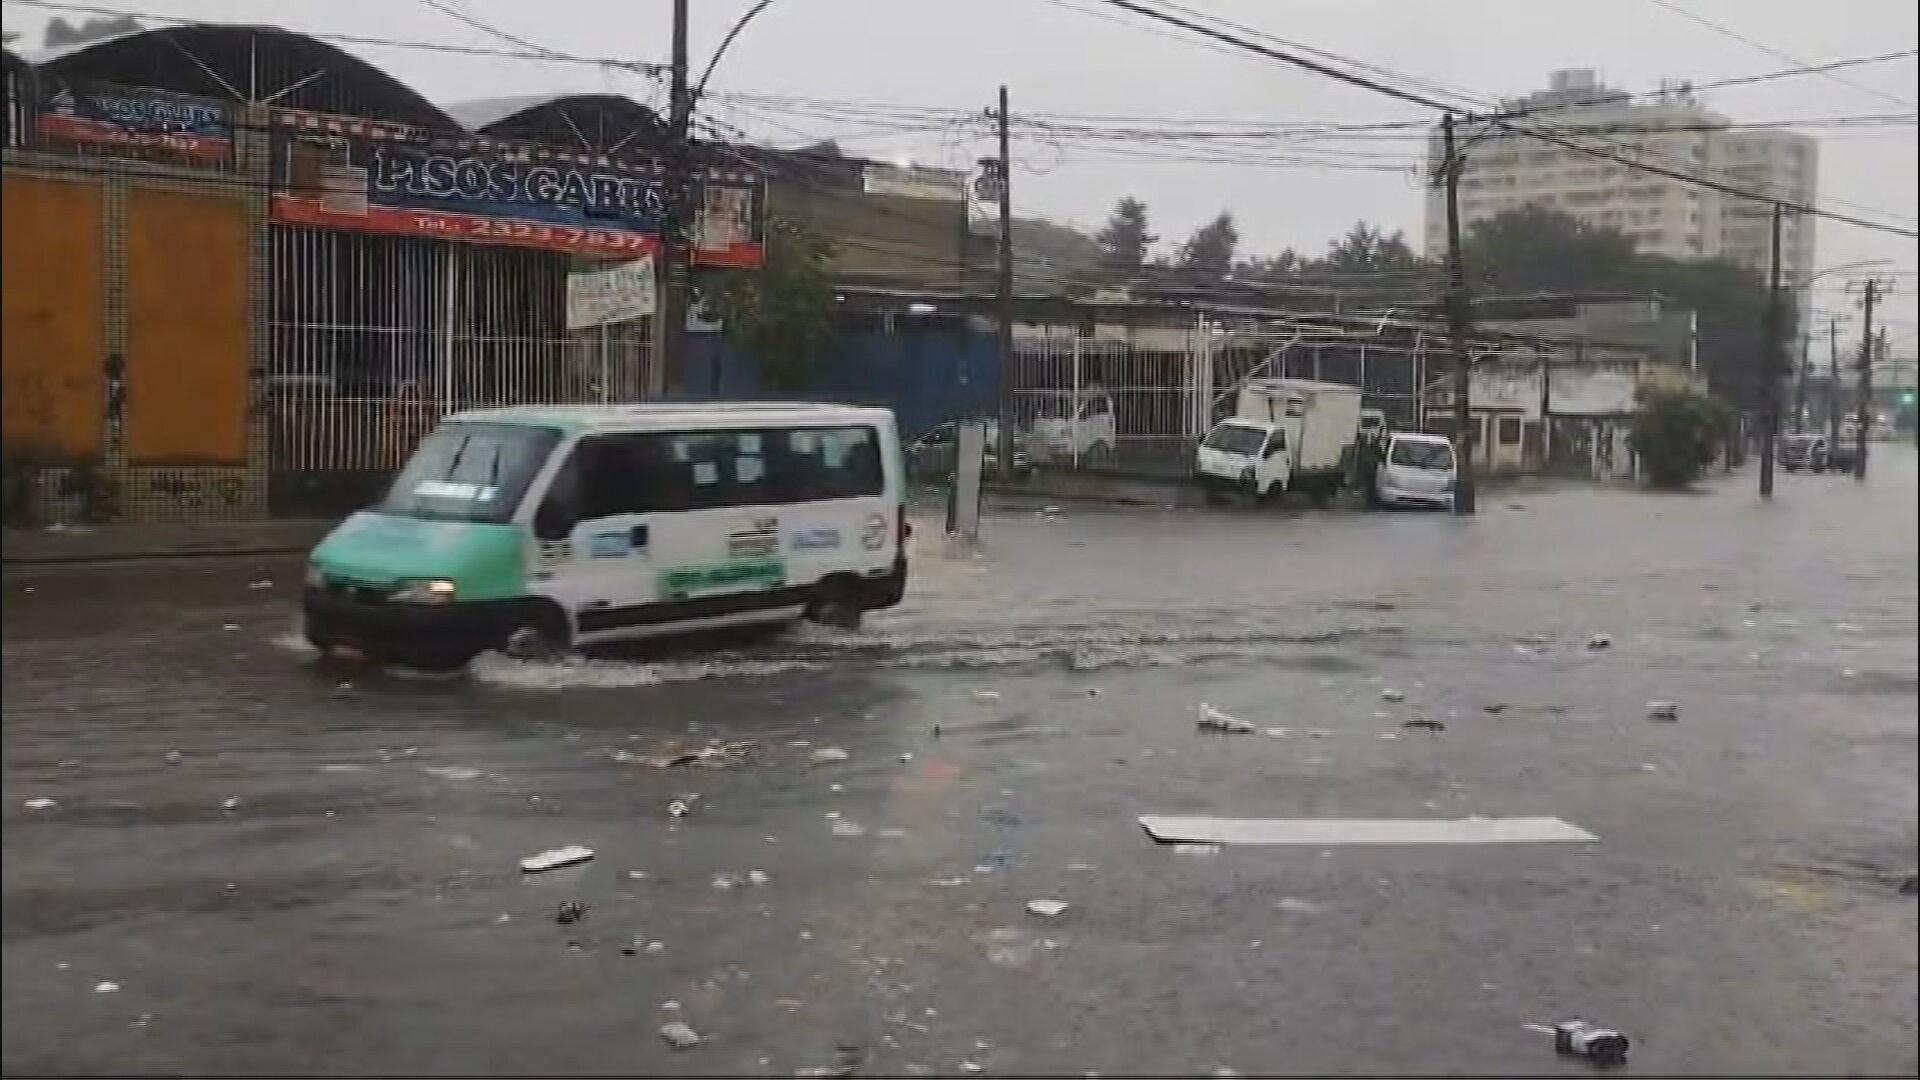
pixel 1083 56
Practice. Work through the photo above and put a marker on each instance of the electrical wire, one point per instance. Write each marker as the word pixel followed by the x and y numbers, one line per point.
pixel 1562 141
pixel 1726 31
pixel 645 67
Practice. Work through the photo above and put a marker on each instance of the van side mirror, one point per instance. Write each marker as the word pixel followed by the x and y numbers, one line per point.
pixel 554 520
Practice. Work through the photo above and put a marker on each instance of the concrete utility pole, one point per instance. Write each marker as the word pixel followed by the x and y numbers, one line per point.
pixel 1770 414
pixel 1004 447
pixel 1800 382
pixel 669 334
pixel 1459 325
pixel 1863 412
pixel 1833 382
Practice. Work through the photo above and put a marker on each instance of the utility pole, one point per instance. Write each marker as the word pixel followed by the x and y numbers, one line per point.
pixel 669 334
pixel 1005 302
pixel 1864 408
pixel 1770 415
pixel 1833 382
pixel 1800 382
pixel 1459 326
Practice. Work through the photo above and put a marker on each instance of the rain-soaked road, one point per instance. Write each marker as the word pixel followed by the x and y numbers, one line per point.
pixel 327 878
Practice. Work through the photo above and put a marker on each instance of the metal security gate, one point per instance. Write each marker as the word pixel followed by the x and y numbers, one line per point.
pixel 1112 405
pixel 374 338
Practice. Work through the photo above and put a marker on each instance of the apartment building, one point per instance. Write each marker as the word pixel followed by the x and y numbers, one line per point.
pixel 1663 216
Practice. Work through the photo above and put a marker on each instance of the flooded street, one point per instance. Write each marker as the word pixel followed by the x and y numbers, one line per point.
pixel 276 860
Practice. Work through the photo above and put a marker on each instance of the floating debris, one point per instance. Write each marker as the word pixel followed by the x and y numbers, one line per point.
pixel 558 857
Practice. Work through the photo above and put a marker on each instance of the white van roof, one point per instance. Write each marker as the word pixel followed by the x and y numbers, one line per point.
pixel 675 415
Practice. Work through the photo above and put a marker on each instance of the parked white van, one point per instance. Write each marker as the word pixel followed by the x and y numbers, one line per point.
pixel 542 528
pixel 1415 470
pixel 1072 429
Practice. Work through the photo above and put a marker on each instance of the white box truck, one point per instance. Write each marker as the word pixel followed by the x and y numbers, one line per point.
pixel 1285 435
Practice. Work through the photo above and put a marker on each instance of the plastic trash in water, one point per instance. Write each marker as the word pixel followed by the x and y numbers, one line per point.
pixel 1213 719
pixel 679 1036
pixel 558 857
pixel 1578 1038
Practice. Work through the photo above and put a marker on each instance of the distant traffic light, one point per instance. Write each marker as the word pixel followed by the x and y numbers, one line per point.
pixel 1906 397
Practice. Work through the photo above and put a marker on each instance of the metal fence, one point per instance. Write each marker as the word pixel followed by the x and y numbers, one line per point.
pixel 374 338
pixel 1137 403
pixel 1123 405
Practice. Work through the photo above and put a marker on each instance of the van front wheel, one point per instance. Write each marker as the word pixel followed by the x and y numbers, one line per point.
pixel 541 636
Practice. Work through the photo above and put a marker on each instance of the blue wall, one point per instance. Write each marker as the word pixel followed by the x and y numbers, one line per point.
pixel 926 373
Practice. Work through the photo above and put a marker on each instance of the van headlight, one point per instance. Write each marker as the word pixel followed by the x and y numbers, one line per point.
pixel 430 591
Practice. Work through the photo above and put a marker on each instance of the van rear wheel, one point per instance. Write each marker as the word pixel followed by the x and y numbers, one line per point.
pixel 836 605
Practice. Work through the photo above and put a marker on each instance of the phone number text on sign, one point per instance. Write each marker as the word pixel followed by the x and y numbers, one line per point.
pixel 531 234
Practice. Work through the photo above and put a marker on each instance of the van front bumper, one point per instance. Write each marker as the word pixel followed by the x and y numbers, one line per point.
pixel 1394 496
pixel 429 635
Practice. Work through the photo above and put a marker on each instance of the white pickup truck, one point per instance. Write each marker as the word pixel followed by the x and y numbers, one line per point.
pixel 1285 435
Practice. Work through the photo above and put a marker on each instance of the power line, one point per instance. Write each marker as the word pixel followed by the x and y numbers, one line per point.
pixel 646 67
pixel 1770 50
pixel 1286 58
pixel 1499 121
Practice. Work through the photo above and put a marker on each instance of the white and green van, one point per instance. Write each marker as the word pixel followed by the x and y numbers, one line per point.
pixel 539 529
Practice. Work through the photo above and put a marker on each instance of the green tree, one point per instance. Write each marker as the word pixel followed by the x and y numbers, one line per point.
pixel 1125 239
pixel 1286 266
pixel 1677 432
pixel 782 313
pixel 1537 250
pixel 1209 251
pixel 1366 249
pixel 1534 249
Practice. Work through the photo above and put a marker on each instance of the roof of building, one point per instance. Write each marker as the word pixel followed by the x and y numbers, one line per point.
pixel 606 123
pixel 244 63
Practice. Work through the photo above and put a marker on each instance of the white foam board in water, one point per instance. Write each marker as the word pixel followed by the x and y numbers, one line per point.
pixel 1328 832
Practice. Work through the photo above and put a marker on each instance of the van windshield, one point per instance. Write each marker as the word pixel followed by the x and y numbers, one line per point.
pixel 1236 439
pixel 469 472
pixel 1420 455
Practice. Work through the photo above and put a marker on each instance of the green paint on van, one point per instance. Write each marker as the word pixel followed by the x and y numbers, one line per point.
pixel 484 561
pixel 731 576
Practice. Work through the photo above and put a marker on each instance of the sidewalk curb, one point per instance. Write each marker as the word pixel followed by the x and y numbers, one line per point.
pixel 81 545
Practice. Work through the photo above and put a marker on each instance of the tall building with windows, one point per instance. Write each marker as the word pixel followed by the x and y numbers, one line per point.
pixel 1670 128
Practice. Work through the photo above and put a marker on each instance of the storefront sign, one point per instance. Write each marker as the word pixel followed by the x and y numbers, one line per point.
pixel 599 297
pixel 364 177
pixel 98 114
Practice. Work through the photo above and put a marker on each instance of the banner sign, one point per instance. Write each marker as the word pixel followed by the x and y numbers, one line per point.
pixel 617 294
pixel 366 176
pixel 98 114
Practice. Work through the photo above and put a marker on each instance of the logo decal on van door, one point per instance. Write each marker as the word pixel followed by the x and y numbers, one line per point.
pixel 730 577
pixel 758 539
pixel 610 545
pixel 816 539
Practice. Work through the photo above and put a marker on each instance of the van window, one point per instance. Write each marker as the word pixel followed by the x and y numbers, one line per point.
pixel 469 472
pixel 666 472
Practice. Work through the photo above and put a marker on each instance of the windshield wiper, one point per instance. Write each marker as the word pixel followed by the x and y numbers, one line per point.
pixel 453 466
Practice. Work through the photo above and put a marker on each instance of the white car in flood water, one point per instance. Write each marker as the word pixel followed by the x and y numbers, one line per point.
pixel 1415 470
